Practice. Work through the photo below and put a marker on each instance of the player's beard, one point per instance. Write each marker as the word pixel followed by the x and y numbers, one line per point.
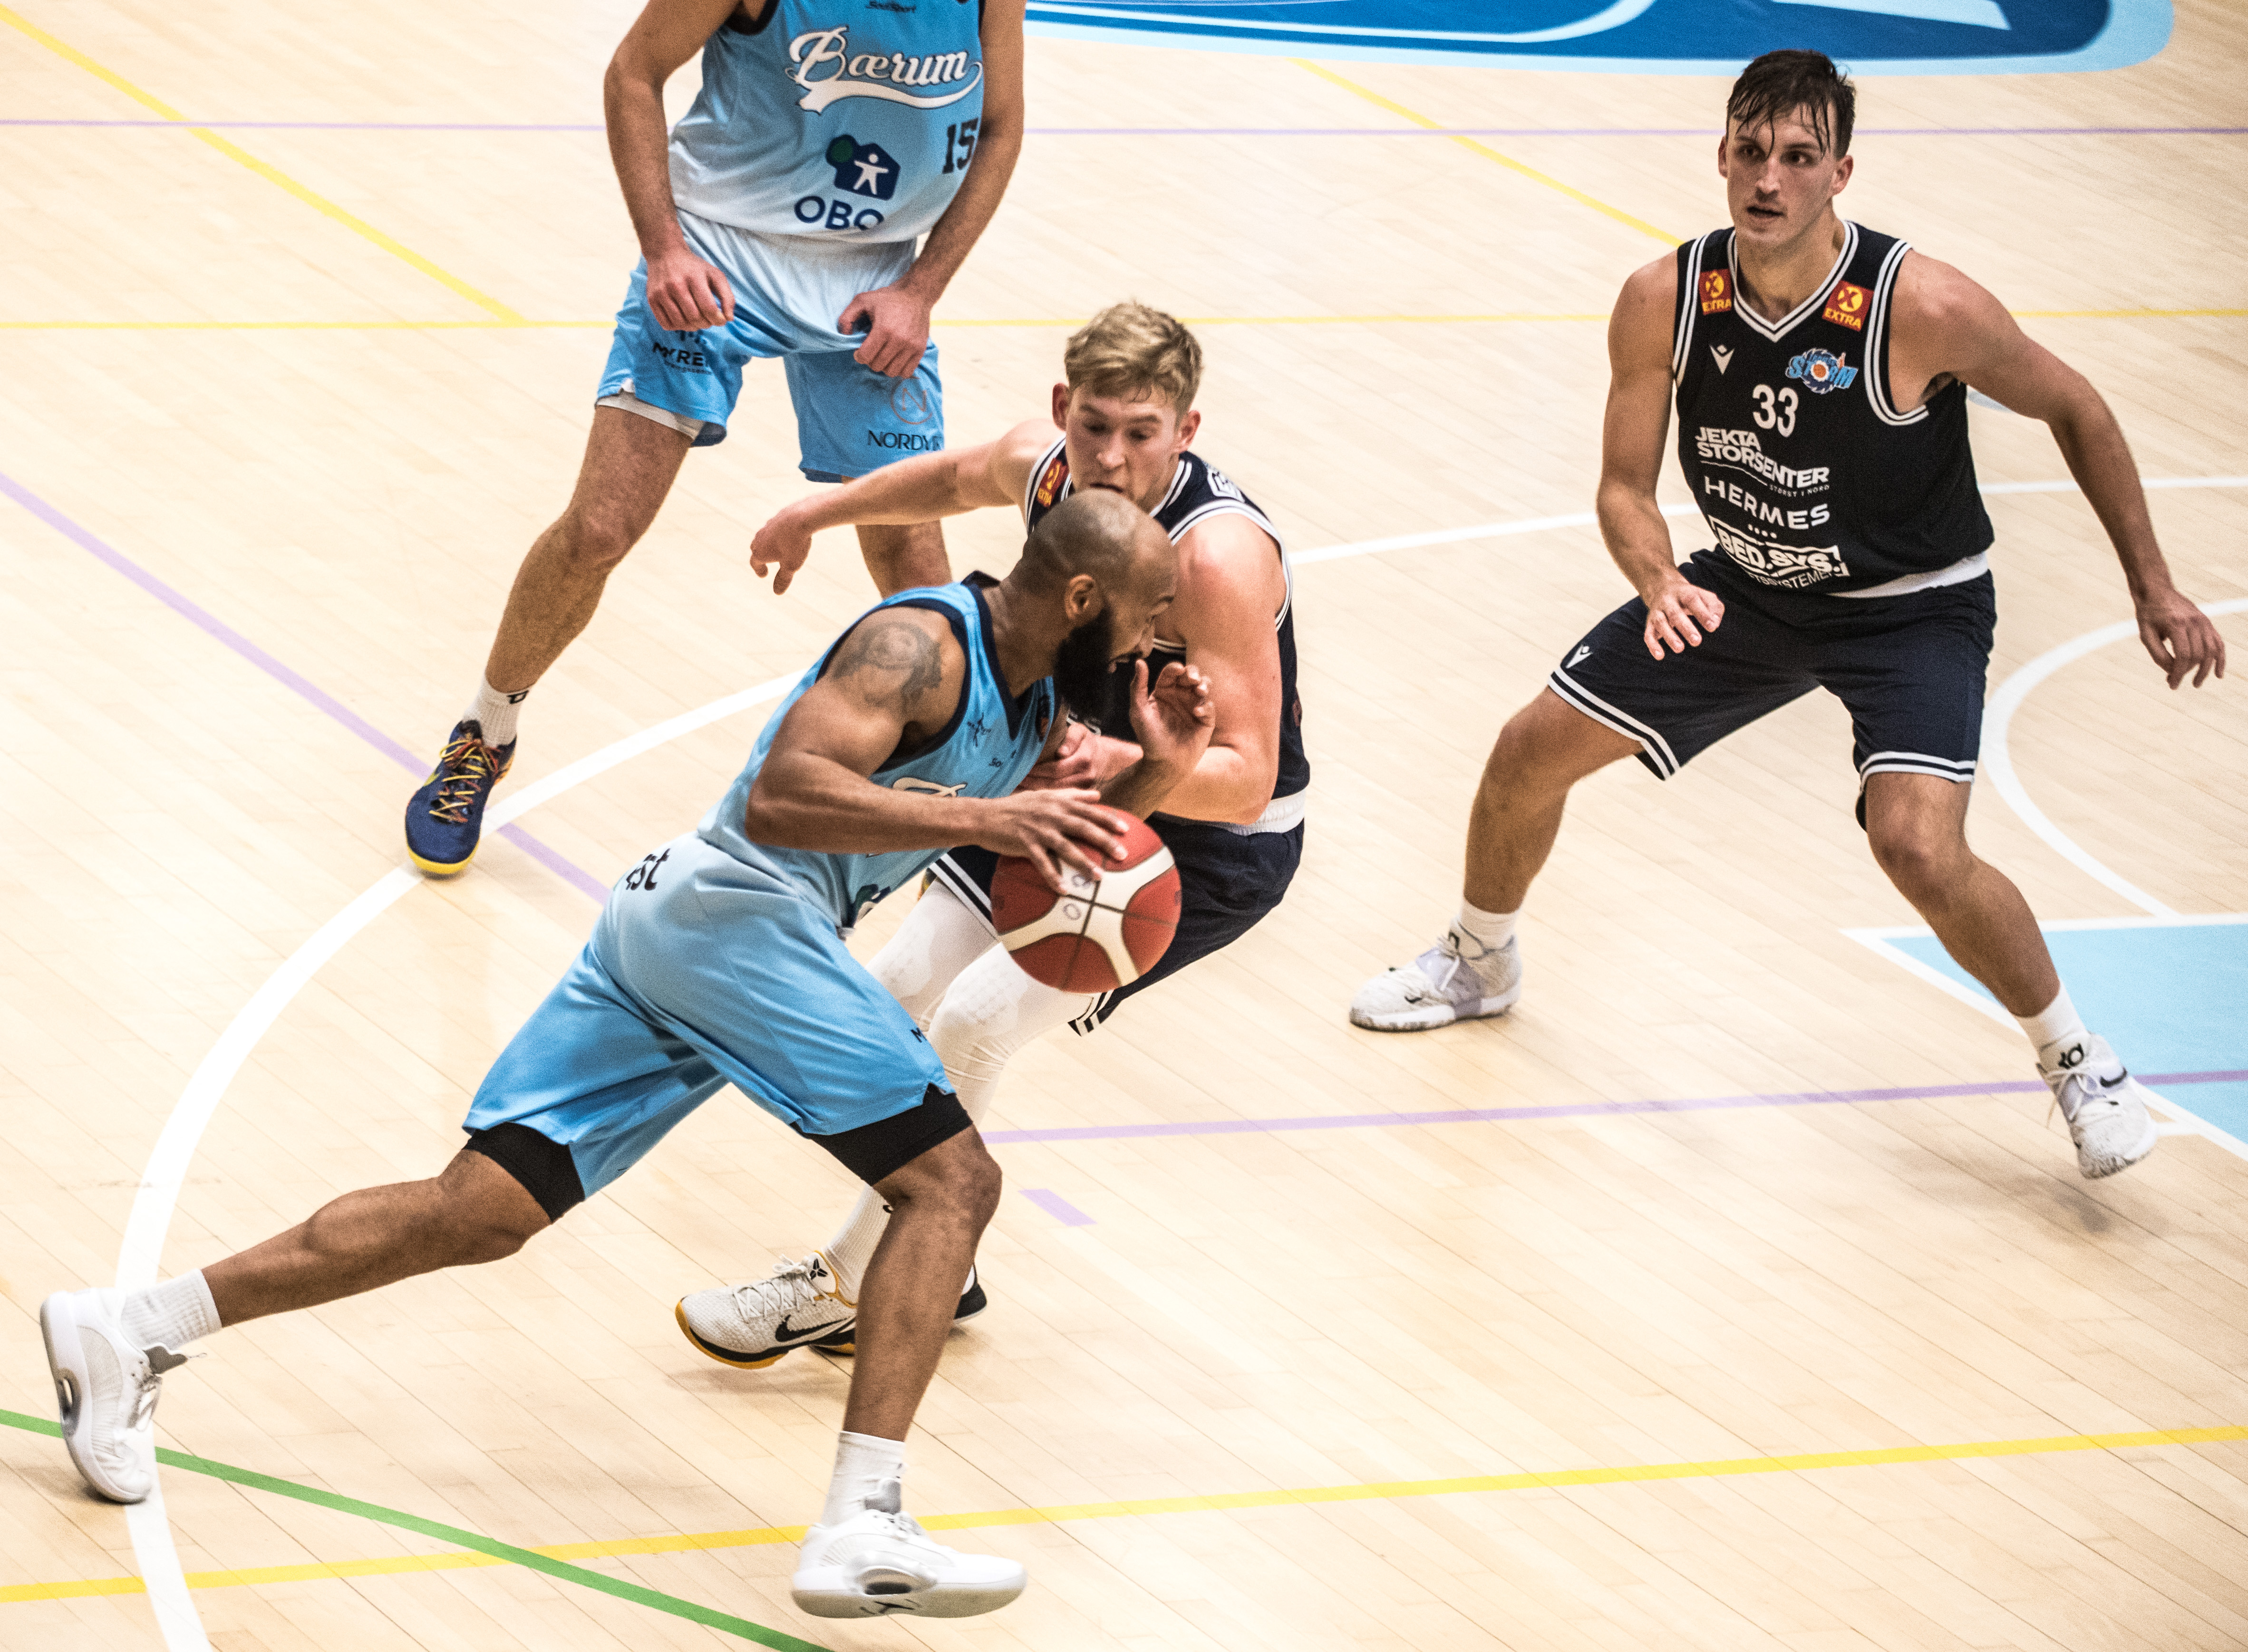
pixel 1082 665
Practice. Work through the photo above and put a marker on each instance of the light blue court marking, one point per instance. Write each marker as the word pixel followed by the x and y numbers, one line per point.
pixel 1057 1207
pixel 2170 994
pixel 1643 37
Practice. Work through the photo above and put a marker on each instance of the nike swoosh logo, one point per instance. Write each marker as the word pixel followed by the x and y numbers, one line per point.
pixel 781 1332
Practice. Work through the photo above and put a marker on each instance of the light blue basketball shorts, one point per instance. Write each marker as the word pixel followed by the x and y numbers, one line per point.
pixel 702 972
pixel 789 292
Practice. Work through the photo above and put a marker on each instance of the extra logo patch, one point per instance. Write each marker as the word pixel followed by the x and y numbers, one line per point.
pixel 863 168
pixel 1846 304
pixel 1717 291
pixel 1821 370
pixel 1057 472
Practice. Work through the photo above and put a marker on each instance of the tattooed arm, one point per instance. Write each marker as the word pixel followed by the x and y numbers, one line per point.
pixel 890 689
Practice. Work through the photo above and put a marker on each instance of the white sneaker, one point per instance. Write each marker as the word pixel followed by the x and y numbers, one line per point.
pixel 106 1389
pixel 751 1326
pixel 2105 1108
pixel 1456 980
pixel 880 1561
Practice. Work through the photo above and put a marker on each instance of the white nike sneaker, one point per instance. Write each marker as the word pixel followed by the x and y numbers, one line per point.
pixel 880 1562
pixel 1456 980
pixel 2105 1108
pixel 106 1389
pixel 751 1326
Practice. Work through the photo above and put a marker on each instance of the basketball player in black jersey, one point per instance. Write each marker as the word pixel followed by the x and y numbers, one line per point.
pixel 1820 371
pixel 1122 420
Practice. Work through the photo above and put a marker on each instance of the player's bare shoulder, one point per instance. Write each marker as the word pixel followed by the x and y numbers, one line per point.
pixel 1640 327
pixel 901 660
pixel 1229 566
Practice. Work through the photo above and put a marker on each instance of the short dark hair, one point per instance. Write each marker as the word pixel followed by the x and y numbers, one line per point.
pixel 1779 83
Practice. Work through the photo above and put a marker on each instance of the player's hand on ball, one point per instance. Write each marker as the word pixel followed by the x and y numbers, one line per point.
pixel 1057 832
pixel 1673 612
pixel 781 545
pixel 1074 765
pixel 1173 718
pixel 685 294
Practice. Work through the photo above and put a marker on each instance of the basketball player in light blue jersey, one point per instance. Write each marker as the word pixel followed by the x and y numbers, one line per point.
pixel 782 216
pixel 719 960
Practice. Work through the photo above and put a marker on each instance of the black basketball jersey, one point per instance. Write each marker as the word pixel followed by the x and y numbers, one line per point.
pixel 1198 491
pixel 1809 477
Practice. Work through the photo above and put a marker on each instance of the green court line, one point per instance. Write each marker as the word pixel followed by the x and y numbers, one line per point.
pixel 467 1539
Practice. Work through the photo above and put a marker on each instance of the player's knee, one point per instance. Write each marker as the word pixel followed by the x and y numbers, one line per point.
pixel 598 534
pixel 1920 857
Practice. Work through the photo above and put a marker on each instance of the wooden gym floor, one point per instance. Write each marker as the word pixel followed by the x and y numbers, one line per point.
pixel 1737 1296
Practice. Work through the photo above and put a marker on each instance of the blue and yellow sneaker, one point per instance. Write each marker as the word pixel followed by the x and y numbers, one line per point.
pixel 445 818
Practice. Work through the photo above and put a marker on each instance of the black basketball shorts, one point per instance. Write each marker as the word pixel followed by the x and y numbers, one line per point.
pixel 1911 670
pixel 1227 881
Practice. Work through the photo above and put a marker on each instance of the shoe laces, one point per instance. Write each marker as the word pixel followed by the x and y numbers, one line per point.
pixel 464 768
pixel 798 1278
pixel 149 1386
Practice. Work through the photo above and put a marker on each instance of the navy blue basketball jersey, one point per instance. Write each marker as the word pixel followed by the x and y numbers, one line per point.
pixel 1808 473
pixel 1198 491
pixel 993 740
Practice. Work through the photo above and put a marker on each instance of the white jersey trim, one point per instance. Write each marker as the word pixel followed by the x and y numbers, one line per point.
pixel 1690 284
pixel 1877 347
pixel 1959 573
pixel 1775 331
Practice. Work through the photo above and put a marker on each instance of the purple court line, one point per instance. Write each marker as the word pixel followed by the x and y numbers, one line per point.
pixel 1057 1207
pixel 1578 1110
pixel 1194 132
pixel 119 562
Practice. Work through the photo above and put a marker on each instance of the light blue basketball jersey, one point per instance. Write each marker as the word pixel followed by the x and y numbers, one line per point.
pixel 991 743
pixel 840 121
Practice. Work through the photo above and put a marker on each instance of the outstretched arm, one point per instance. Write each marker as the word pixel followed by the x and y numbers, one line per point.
pixel 922 489
pixel 1638 418
pixel 1947 326
pixel 890 688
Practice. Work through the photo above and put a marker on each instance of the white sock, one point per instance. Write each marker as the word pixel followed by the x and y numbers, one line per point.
pixel 852 1247
pixel 864 1464
pixel 169 1315
pixel 1490 930
pixel 496 712
pixel 2052 1030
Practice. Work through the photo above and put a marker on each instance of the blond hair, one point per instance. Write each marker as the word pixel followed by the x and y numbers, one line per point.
pixel 1131 349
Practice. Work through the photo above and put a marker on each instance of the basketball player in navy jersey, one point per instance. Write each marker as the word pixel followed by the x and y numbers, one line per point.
pixel 1820 371
pixel 780 218
pixel 1120 423
pixel 719 959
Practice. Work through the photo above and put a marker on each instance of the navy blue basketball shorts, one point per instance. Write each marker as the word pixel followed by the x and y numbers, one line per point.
pixel 1910 669
pixel 1227 881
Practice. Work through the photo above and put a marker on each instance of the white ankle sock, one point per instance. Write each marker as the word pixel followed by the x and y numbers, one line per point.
pixel 169 1315
pixel 1491 930
pixel 864 1464
pixel 496 712
pixel 852 1247
pixel 2052 1030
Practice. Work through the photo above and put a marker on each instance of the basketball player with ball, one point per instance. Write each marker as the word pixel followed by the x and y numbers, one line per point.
pixel 1120 423
pixel 719 959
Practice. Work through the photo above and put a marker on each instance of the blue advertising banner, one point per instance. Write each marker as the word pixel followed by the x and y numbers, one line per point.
pixel 1644 37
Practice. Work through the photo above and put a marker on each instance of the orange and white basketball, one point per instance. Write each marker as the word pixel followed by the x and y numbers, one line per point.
pixel 1095 937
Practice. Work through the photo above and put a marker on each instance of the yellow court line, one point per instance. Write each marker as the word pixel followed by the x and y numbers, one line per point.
pixel 1490 153
pixel 1379 1490
pixel 272 174
pixel 520 323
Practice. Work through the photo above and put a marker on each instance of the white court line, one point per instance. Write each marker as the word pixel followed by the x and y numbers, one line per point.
pixel 150 1218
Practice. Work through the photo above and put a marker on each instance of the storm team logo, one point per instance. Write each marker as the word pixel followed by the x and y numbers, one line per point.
pixel 1821 370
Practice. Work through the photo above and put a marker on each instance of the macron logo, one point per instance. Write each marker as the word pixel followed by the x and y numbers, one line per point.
pixel 1584 653
pixel 1722 356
